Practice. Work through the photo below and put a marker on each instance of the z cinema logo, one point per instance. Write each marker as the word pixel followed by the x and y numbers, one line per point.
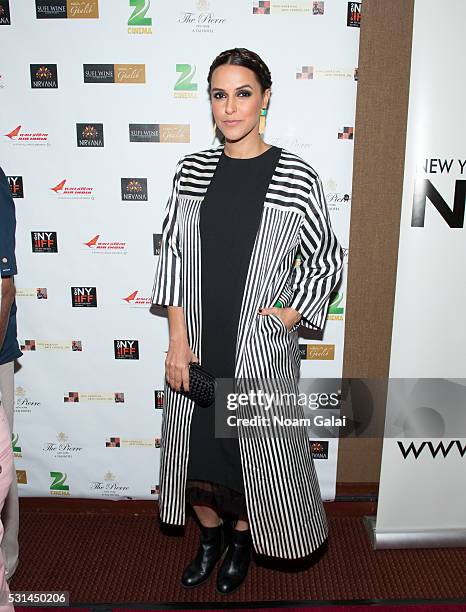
pixel 44 76
pixel 158 132
pixel 134 189
pixel 139 23
pixel 16 186
pixel 67 9
pixel 114 73
pixel 126 349
pixel 84 297
pixel 44 242
pixel 90 134
pixel 5 12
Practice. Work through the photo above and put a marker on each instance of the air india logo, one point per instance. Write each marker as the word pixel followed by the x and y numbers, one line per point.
pixel 19 137
pixel 96 245
pixel 66 191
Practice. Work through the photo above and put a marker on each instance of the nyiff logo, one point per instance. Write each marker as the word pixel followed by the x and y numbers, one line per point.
pixel 44 76
pixel 139 23
pixel 114 73
pixel 335 311
pixel 158 132
pixel 44 242
pixel 126 349
pixel 134 189
pixel 84 297
pixel 5 12
pixel 353 18
pixel 134 300
pixel 15 445
pixel 27 137
pixel 90 134
pixel 346 133
pixel 319 352
pixel 16 186
pixel 159 400
pixel 184 87
pixel 110 248
pixel 58 486
pixel 319 449
pixel 67 9
pixel 157 240
pixel 65 191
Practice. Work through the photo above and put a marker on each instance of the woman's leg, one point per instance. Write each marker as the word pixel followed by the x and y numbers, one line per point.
pixel 207 516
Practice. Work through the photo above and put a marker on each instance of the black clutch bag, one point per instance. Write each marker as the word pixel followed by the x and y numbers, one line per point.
pixel 202 385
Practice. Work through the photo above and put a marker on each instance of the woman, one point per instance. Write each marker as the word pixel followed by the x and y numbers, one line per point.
pixel 235 305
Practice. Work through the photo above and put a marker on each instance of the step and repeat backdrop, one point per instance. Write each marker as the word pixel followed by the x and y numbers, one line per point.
pixel 99 100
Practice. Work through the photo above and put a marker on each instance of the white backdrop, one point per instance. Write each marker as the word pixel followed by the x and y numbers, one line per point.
pixel 145 67
pixel 422 497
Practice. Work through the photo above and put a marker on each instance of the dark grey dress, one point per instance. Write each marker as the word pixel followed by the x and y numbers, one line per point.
pixel 229 219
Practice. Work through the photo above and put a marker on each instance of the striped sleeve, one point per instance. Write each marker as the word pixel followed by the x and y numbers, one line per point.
pixel 321 265
pixel 167 289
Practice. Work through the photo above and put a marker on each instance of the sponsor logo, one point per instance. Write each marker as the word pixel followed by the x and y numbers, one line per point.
pixel 58 485
pixel 117 442
pixel 155 490
pixel 47 345
pixel 202 19
pixel 157 442
pixel 157 240
pixel 70 192
pixel 62 448
pixel 317 352
pixel 335 311
pixel 21 477
pixel 44 242
pixel 44 76
pixel 159 399
pixel 84 297
pixel 335 200
pixel 312 72
pixel 90 134
pixel 135 300
pixel 276 7
pixel 17 137
pixel 184 86
pixel 95 245
pixel 23 403
pixel 38 293
pixel 318 7
pixel 109 485
pixel 112 442
pixel 157 132
pixel 67 9
pixel 126 349
pixel 319 449
pixel 353 18
pixel 346 133
pixel 134 189
pixel 16 186
pixel 5 12
pixel 139 22
pixel 15 445
pixel 75 397
pixel 114 73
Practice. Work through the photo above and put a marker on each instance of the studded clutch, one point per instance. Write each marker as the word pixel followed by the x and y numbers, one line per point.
pixel 202 385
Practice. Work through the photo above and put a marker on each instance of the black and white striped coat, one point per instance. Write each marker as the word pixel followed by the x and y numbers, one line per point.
pixel 284 503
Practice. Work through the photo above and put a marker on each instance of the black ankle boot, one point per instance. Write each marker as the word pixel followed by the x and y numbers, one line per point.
pixel 235 565
pixel 211 548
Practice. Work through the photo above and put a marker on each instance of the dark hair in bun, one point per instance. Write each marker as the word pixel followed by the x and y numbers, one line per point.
pixel 246 58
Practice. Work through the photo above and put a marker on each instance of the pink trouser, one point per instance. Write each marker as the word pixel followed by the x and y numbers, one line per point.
pixel 6 477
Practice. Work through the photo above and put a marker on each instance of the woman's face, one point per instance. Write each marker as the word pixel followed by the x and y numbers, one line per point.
pixel 236 100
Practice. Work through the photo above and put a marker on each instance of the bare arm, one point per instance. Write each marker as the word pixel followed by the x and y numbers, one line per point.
pixel 179 353
pixel 8 296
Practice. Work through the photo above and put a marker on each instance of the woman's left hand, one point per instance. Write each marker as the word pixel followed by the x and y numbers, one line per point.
pixel 289 316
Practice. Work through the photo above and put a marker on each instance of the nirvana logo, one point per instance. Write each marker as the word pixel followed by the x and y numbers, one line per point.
pixel 114 73
pixel 44 76
pixel 134 189
pixel 84 297
pixel 90 134
pixel 16 186
pixel 353 18
pixel 67 9
pixel 319 449
pixel 44 242
pixel 5 12
pixel 126 349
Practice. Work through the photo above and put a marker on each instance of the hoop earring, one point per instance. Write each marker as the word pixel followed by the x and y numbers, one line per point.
pixel 263 115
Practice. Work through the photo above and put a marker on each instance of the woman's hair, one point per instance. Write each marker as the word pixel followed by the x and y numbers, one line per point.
pixel 246 58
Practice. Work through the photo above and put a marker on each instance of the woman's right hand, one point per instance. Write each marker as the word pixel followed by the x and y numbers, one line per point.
pixel 177 361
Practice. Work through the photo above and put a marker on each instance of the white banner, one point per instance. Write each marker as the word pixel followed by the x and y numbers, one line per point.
pixel 99 101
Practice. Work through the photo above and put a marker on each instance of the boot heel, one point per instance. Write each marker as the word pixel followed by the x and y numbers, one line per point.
pixel 211 548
